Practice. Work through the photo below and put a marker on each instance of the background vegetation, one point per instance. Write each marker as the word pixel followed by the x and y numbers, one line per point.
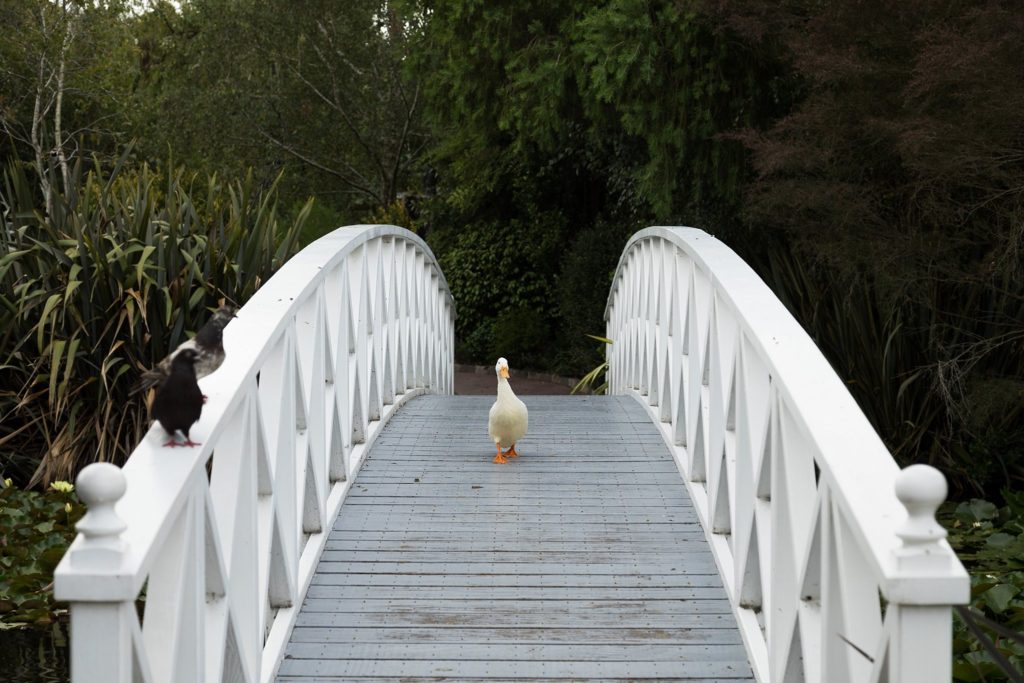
pixel 866 157
pixel 107 281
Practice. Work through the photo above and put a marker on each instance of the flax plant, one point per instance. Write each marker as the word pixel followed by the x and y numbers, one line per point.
pixel 125 266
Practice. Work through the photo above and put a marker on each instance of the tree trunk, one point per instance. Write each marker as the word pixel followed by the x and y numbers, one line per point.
pixel 58 131
pixel 39 111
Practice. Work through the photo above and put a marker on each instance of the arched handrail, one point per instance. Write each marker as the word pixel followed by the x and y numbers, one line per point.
pixel 832 558
pixel 222 540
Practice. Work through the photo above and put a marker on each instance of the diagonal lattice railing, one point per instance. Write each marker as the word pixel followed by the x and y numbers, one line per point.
pixel 833 561
pixel 216 545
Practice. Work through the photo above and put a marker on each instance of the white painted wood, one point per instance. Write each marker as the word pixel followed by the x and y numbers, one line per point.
pixel 809 518
pixel 317 362
pixel 100 486
pixel 106 644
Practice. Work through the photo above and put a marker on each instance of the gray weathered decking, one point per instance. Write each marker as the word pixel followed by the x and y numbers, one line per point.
pixel 582 559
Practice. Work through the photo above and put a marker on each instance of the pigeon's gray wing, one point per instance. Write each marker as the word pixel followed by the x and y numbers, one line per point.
pixel 156 375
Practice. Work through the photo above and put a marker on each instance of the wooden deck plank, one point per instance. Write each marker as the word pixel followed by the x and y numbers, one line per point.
pixel 620 559
pixel 514 580
pixel 347 669
pixel 604 652
pixel 513 635
pixel 513 490
pixel 445 539
pixel 499 593
pixel 506 505
pixel 582 559
pixel 532 620
pixel 579 603
pixel 457 679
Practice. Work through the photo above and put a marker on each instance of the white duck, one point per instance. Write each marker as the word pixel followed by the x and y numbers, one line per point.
pixel 508 417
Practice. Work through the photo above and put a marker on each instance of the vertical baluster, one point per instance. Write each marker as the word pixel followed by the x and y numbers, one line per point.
pixel 388 322
pixel 233 496
pixel 172 628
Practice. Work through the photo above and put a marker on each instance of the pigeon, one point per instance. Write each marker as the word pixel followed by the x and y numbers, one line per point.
pixel 209 347
pixel 508 418
pixel 178 401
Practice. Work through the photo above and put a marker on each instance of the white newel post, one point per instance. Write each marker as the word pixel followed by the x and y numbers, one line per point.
pixel 103 620
pixel 926 585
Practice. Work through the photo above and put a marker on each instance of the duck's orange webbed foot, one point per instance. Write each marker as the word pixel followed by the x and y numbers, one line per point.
pixel 500 458
pixel 511 452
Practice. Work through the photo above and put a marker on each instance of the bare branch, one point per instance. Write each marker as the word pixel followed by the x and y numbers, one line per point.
pixel 336 105
pixel 410 112
pixel 364 186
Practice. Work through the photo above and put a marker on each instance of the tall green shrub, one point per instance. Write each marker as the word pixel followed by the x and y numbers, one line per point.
pixel 126 265
pixel 502 277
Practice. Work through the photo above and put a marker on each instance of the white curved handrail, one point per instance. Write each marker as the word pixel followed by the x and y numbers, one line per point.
pixel 829 577
pixel 223 539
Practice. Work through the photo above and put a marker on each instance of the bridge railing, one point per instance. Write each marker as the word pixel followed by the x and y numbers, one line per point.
pixel 215 546
pixel 832 558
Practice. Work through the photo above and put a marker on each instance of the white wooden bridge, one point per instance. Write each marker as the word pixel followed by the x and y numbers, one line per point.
pixel 726 514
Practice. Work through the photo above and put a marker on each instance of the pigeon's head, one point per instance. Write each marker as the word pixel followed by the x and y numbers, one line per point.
pixel 222 316
pixel 186 358
pixel 501 368
pixel 210 334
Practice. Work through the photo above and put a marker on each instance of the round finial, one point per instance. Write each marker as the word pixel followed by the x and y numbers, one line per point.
pixel 921 489
pixel 100 486
pixel 100 482
pixel 921 485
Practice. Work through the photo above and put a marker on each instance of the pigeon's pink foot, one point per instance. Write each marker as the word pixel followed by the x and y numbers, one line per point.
pixel 205 397
pixel 171 443
pixel 190 443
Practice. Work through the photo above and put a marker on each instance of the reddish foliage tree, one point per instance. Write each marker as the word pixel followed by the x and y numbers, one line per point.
pixel 901 171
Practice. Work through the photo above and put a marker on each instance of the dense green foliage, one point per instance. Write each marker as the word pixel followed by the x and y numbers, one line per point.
pixel 258 84
pixel 870 170
pixel 65 70
pixel 105 284
pixel 548 123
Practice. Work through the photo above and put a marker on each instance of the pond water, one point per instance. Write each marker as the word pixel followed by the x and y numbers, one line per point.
pixel 35 655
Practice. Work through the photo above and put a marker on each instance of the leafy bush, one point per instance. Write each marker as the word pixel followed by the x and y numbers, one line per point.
pixel 497 270
pixel 521 333
pixel 35 531
pixel 320 219
pixel 125 264
pixel 583 288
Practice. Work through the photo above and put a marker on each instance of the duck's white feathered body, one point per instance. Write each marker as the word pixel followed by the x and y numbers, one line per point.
pixel 508 419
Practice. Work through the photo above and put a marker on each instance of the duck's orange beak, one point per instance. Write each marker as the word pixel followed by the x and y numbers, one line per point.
pixel 504 372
